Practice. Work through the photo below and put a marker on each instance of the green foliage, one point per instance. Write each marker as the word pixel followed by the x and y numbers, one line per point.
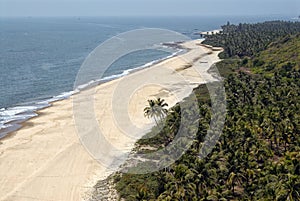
pixel 156 109
pixel 257 157
pixel 283 54
pixel 227 66
pixel 137 187
pixel 248 39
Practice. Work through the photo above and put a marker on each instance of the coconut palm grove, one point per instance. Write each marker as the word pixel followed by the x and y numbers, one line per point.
pixel 258 155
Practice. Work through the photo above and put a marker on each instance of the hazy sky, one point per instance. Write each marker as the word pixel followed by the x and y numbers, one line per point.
pixel 147 7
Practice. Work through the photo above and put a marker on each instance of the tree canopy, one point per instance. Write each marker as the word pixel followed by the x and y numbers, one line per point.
pixel 258 155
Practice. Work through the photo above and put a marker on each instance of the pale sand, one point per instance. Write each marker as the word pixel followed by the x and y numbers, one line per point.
pixel 45 159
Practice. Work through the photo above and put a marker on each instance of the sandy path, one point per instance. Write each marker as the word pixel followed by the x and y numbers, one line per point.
pixel 45 159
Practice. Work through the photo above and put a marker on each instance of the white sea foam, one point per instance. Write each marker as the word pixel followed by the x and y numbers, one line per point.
pixel 65 95
pixel 2 126
pixel 13 116
pixel 17 110
pixel 9 116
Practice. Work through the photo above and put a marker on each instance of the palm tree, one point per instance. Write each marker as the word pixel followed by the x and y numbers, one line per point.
pixel 142 194
pixel 156 109
pixel 161 104
pixel 150 111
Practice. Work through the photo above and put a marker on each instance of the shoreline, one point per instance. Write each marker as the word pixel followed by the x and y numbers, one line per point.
pixel 15 125
pixel 51 143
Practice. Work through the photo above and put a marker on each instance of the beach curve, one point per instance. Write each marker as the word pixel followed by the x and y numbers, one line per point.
pixel 45 159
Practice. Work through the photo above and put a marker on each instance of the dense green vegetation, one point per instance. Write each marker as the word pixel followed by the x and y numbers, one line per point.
pixel 258 155
pixel 248 39
pixel 278 56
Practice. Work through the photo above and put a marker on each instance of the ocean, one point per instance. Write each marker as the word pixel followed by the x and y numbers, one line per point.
pixel 40 57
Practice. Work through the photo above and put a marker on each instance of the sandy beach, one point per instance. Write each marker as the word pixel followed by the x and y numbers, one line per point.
pixel 45 160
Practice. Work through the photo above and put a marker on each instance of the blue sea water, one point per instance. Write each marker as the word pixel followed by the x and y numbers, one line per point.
pixel 40 57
